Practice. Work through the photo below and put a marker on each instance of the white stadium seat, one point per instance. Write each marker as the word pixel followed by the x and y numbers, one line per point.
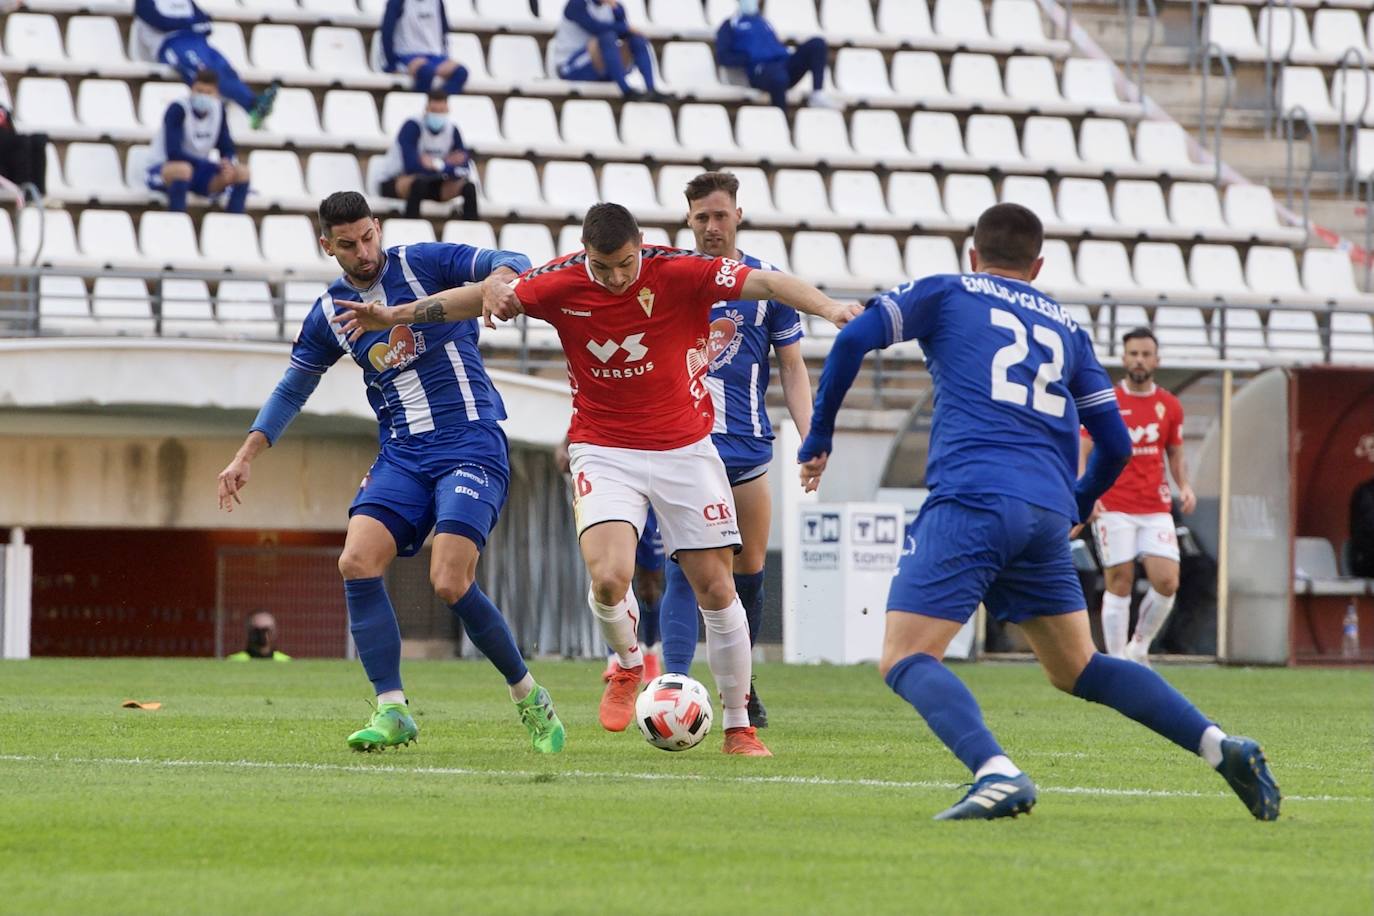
pixel 44 103
pixel 107 105
pixel 476 233
pixel 570 239
pixel 466 48
pixel 276 176
pixel 245 309
pixel 397 108
pixel 961 19
pixel 1017 22
pixel 992 138
pixel 532 239
pixel 230 239
pixel 476 118
pixel 337 50
pixel 926 256
pixel 976 76
pixel 672 180
pixel 326 173
pixel 278 49
pixel 821 132
pixel 858 195
pixel 1195 205
pixel 1250 208
pixel 967 196
pixel 1183 332
pixel 1328 273
pixel 1057 274
pixel 92 38
pixel 64 306
pixel 673 14
pixel 1050 140
pixel 121 305
pixel 34 37
pixel 300 298
pixel 399 231
pixel 797 17
pixel 1231 27
pixel 705 128
pixel 764 132
pixel 1083 202
pixel 59 237
pixel 755 196
pixel 589 124
pixel 1335 30
pixel 918 74
pixel 876 258
pixel 294 114
pixel 515 59
pixel 915 198
pixel 1215 270
pixel 570 186
pixel 849 18
pixel 690 67
pixel 530 123
pixel 1159 266
pixel 154 98
pixel 1032 80
pixel 1306 87
pixel 107 237
pixel 1140 205
pixel 1103 267
pixel 351 114
pixel 512 182
pixel 186 311
pixel 820 256
pixel 935 135
pixel 93 168
pixel 629 184
pixel 878 133
pixel 168 239
pixel 1162 143
pixel 1285 32
pixel 1033 193
pixel 227 39
pixel 1106 142
pixel 862 73
pixel 1090 83
pixel 1273 272
pixel 503 11
pixel 290 240
pixel 1352 338
pixel 800 193
pixel 905 19
pixel 650 123
pixel 766 245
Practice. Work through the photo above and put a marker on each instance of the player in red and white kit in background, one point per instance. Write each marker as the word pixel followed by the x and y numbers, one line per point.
pixel 1134 518
pixel 634 321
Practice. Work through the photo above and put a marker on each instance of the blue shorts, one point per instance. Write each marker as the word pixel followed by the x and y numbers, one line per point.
pixel 1012 556
pixel 649 550
pixel 403 60
pixel 745 457
pixel 203 171
pixel 451 480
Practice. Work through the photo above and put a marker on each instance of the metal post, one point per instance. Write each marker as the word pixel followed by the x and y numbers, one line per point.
pixel 1349 127
pixel 1224 524
pixel 1213 50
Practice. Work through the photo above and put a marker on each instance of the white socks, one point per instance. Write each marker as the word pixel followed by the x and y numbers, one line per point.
pixel 1000 765
pixel 1116 619
pixel 731 660
pixel 391 696
pixel 522 688
pixel 618 625
pixel 1154 610
pixel 1209 749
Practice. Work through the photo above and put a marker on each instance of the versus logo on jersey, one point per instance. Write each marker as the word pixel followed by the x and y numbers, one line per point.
pixel 634 352
pixel 402 347
pixel 1147 434
pixel 725 339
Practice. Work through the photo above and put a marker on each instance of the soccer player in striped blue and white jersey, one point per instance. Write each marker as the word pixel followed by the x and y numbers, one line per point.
pixel 1013 377
pixel 443 461
pixel 742 334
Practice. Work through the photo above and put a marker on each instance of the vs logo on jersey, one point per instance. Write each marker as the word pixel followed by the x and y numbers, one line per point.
pixel 1147 434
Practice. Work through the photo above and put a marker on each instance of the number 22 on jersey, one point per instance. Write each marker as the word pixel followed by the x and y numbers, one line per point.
pixel 1004 389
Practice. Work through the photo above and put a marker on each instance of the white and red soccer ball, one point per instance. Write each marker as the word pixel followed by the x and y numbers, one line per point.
pixel 674 712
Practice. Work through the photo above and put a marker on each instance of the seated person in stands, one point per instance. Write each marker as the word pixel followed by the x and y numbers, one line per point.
pixel 594 43
pixel 427 161
pixel 413 41
pixel 175 32
pixel 262 641
pixel 179 158
pixel 23 159
pixel 747 42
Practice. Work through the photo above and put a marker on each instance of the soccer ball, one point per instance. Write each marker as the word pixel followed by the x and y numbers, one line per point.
pixel 674 712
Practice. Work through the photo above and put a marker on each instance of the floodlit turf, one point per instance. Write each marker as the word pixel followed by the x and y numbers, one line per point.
pixel 239 796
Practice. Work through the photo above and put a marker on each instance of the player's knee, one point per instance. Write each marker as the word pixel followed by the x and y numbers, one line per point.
pixel 1166 584
pixel 241 174
pixel 610 586
pixel 354 564
pixel 451 585
pixel 717 593
pixel 176 171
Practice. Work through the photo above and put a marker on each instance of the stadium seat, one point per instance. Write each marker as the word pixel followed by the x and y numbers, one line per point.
pixel 269 7
pixel 926 256
pixel 906 20
pixel 1285 32
pixel 397 108
pixel 476 118
pixel 967 196
pixel 154 99
pixel 531 123
pixel 466 48
pixel 976 77
pixel 227 39
pixel 1249 208
pixel 289 240
pixel 631 185
pixel 1083 202
pixel 876 259
pixel 755 196
pixel 106 237
pixel 245 309
pixel 95 38
pixel 570 187
pixel 276 179
pixel 935 136
pixel 878 133
pixel 796 18
pixel 34 37
pixel 858 196
pixel 1057 274
pixel 168 240
pixel 821 133
pixel 278 50
pixel 399 231
pixel 1158 267
pixel 44 103
pixel 1032 80
pixel 1051 141
pixel 763 131
pixel 64 306
pixel 515 59
pixel 93 169
pixel 1328 274
pixel 108 106
pixel 570 239
pixel 512 183
pixel 338 51
pixel 294 115
pixel 1140 205
pixel 861 73
pixel 674 14
pixel 1183 332
pixel 1273 272
pixel 1335 30
pixel 59 238
pixel 1306 87
pixel 589 125
pixel 300 298
pixel 915 198
pixel 705 128
pixel 9 248
pixel 1215 271
pixel 962 20
pixel 230 239
pixel 1352 338
pixel 800 193
pixel 1106 142
pixel 689 68
pixel 121 305
pixel 1194 205
pixel 820 257
pixel 672 179
pixel 476 233
pixel 1293 335
pixel 766 245
pixel 1103 268
pixel 919 74
pixel 1032 192
pixel 326 173
pixel 1231 27
pixel 651 123
pixel 503 11
pixel 1163 144
pixel 350 115
pixel 1090 83
pixel 185 309
pixel 992 138
pixel 533 239
pixel 1017 22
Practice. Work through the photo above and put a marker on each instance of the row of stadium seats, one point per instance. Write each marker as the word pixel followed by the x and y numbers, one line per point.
pixel 1307 87
pixel 286 243
pixel 1006 26
pixel 1274 28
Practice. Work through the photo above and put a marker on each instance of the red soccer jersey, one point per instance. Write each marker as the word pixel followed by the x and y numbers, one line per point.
pixel 636 360
pixel 1155 421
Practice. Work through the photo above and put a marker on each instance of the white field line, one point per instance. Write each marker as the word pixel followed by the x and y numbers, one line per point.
pixel 620 775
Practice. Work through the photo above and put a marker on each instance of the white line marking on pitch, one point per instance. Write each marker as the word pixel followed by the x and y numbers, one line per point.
pixel 644 777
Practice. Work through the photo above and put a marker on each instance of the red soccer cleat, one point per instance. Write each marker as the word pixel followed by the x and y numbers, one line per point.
pixel 618 702
pixel 612 666
pixel 652 666
pixel 744 742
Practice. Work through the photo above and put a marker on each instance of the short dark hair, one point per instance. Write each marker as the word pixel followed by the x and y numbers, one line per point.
pixel 1139 334
pixel 342 207
pixel 607 227
pixel 1008 236
pixel 206 77
pixel 708 183
pixel 437 95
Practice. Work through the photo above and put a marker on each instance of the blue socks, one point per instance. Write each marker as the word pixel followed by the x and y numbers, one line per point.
pixel 644 62
pixel 238 198
pixel 749 587
pixel 678 620
pixel 176 195
pixel 649 630
pixel 489 633
pixel 424 76
pixel 1138 693
pixel 372 621
pixel 610 55
pixel 233 88
pixel 456 81
pixel 947 706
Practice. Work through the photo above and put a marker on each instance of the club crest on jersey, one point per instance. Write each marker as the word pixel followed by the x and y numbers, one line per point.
pixel 401 348
pixel 1159 409
pixel 646 301
pixel 725 339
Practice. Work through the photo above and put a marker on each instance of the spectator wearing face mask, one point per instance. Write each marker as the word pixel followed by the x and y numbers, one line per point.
pixel 262 641
pixel 428 161
pixel 179 159
pixel 747 42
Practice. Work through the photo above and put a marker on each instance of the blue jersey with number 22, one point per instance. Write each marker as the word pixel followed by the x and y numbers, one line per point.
pixel 1012 374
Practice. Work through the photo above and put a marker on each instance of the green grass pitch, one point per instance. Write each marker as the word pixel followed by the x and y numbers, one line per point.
pixel 240 797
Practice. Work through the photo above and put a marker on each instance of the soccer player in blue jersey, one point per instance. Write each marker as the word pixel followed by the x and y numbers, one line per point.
pixel 1013 378
pixel 443 461
pixel 742 333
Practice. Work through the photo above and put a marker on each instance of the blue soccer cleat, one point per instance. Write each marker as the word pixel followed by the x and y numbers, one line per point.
pixel 993 796
pixel 1247 773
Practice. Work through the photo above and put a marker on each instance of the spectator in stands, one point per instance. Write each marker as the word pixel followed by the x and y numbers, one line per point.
pixel 262 640
pixel 747 42
pixel 428 161
pixel 413 41
pixel 594 43
pixel 22 157
pixel 179 158
pixel 174 32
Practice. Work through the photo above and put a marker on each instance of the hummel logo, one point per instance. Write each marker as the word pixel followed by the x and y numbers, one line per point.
pixel 634 350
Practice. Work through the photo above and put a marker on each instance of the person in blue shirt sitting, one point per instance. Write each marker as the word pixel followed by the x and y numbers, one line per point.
pixel 428 161
pixel 179 158
pixel 595 43
pixel 413 42
pixel 747 42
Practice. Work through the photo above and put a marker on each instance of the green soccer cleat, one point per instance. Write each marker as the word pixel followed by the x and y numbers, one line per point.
pixel 391 726
pixel 537 714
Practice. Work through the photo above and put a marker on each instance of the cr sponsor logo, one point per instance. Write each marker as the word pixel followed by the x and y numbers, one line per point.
pixel 634 349
pixel 718 512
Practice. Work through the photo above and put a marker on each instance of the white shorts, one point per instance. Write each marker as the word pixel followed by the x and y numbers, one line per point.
pixel 687 487
pixel 1121 537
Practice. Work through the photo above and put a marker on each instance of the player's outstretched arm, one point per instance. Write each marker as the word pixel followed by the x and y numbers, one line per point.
pixel 1111 451
pixel 458 304
pixel 802 296
pixel 276 414
pixel 1178 467
pixel 867 332
pixel 235 476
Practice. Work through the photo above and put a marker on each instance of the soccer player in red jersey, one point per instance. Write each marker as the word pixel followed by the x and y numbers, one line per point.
pixel 634 321
pixel 1135 517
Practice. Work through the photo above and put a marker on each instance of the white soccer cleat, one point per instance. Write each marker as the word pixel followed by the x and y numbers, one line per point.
pixel 819 99
pixel 1138 652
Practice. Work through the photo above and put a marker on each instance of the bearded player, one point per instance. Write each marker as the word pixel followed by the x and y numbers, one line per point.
pixel 1135 518
pixel 634 321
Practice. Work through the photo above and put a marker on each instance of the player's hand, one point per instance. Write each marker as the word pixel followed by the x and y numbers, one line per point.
pixel 499 301
pixel 360 318
pixel 1187 499
pixel 811 472
pixel 841 313
pixel 457 157
pixel 231 481
pixel 1098 509
pixel 226 170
